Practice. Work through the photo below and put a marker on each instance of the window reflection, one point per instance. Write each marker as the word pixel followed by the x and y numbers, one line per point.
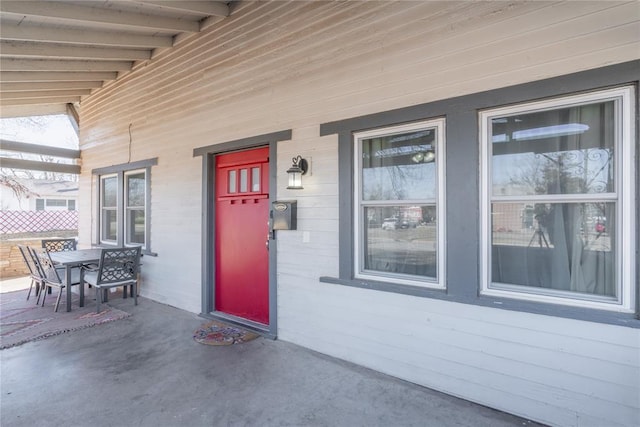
pixel 399 167
pixel 401 239
pixel 560 246
pixel 555 243
pixel 136 186
pixel 398 204
pixel 563 151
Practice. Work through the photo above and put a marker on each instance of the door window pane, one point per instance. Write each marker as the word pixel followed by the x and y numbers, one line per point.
pixel 255 179
pixel 243 180
pixel 232 181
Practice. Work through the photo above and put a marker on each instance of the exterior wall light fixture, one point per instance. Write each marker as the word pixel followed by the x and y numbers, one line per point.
pixel 297 169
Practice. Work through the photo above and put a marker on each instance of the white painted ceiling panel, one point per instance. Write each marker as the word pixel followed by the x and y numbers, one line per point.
pixel 54 52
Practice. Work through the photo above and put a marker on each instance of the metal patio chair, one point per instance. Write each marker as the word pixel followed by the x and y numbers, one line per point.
pixel 117 267
pixel 34 273
pixel 56 278
pixel 59 245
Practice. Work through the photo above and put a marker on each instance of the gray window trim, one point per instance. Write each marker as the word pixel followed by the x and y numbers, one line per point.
pixel 463 195
pixel 119 171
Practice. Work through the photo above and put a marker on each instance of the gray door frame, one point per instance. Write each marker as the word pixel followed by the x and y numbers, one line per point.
pixel 209 154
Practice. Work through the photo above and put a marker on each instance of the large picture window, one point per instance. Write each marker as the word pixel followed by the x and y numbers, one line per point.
pixel 557 213
pixel 398 217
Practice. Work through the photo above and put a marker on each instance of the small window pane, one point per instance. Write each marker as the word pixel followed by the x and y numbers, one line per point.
pixel 400 166
pixel 243 180
pixel 39 204
pixel 109 191
pixel 563 151
pixel 71 205
pixel 255 179
pixel 557 246
pixel 54 203
pixel 135 226
pixel 232 181
pixel 401 239
pixel 109 225
pixel 136 187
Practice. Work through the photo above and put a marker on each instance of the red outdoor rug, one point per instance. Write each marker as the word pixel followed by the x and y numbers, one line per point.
pixel 22 321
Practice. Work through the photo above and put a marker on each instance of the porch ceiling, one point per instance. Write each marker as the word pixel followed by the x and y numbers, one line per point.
pixel 52 53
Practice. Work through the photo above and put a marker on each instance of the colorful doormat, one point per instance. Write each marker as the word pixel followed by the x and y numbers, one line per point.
pixel 22 321
pixel 218 333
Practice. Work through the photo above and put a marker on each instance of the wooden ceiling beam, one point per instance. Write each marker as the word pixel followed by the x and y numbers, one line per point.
pixel 44 94
pixel 45 150
pixel 17 64
pixel 213 8
pixel 38 101
pixel 38 86
pixel 55 76
pixel 21 49
pixel 33 165
pixel 112 17
pixel 12 31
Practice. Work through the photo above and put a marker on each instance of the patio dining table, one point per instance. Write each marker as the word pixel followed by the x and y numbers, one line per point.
pixel 71 259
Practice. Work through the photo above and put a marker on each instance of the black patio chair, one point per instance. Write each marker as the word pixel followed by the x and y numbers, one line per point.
pixel 34 273
pixel 117 267
pixel 55 278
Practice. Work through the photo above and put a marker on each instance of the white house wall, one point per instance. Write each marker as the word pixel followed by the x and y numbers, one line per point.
pixel 273 66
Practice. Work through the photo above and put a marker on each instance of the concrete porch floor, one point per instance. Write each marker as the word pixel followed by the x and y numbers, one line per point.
pixel 147 370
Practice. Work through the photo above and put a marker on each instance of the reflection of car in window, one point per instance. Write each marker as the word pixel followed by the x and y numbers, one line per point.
pixel 390 224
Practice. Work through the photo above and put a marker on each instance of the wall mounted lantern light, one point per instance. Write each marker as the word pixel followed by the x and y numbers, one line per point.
pixel 297 169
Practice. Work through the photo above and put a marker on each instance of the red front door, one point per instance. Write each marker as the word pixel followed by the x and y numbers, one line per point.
pixel 242 214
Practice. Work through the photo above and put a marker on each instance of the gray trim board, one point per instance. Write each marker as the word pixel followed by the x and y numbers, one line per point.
pixel 462 188
pixel 238 144
pixel 208 154
pixel 140 164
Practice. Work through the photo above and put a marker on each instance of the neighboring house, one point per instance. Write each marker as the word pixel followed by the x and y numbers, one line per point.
pixel 438 109
pixel 44 195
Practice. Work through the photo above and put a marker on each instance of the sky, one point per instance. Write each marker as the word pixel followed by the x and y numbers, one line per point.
pixel 55 131
pixel 52 130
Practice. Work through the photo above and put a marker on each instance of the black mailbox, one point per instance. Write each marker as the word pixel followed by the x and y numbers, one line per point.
pixel 284 215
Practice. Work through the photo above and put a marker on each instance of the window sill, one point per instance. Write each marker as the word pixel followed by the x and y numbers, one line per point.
pixel 395 288
pixel 628 320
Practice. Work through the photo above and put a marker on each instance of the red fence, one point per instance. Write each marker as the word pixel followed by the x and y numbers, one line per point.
pixel 12 222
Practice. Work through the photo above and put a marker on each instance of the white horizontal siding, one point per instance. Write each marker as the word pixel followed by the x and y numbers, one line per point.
pixel 273 66
pixel 471 352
